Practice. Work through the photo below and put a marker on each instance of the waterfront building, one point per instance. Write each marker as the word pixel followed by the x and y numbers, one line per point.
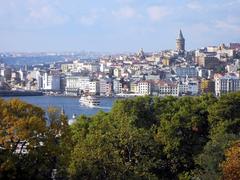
pixel 105 86
pixel 22 74
pixel 39 79
pixel 62 82
pixel 51 82
pixel 94 87
pixel 6 73
pixel 76 84
pixel 109 88
pixel 15 77
pixel 102 86
pixel 144 87
pixel 2 82
pixel 117 86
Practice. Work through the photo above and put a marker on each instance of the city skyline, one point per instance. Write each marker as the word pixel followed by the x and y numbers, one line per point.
pixel 116 26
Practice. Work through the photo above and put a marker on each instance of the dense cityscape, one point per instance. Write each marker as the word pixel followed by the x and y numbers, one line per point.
pixel 211 69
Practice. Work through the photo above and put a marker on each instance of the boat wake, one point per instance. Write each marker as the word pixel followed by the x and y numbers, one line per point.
pixel 102 107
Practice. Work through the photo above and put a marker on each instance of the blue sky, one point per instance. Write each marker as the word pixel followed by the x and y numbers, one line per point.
pixel 116 25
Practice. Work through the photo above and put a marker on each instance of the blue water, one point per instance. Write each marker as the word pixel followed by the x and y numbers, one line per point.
pixel 70 105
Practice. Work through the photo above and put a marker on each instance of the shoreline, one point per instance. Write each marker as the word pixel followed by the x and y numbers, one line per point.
pixel 6 93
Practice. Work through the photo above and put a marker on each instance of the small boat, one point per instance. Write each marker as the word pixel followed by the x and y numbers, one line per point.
pixel 91 101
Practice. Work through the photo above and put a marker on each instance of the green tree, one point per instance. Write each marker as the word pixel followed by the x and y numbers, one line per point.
pixel 183 132
pixel 110 148
pixel 224 129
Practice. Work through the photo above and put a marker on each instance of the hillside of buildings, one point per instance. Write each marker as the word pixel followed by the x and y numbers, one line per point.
pixel 141 138
pixel 212 69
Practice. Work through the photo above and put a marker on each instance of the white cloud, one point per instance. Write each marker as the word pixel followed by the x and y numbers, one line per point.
pixel 228 25
pixel 194 5
pixel 157 13
pixel 43 13
pixel 126 12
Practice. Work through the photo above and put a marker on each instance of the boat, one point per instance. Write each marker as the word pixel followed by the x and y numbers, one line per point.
pixel 91 101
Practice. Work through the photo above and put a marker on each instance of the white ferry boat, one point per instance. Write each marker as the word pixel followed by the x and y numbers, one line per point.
pixel 91 101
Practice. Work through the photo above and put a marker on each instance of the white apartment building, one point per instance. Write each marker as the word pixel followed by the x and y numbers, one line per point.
pixel 39 79
pixel 80 83
pixel 144 88
pixel 51 82
pixel 94 87
pixel 225 84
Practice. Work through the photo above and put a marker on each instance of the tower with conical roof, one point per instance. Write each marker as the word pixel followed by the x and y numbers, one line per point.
pixel 180 42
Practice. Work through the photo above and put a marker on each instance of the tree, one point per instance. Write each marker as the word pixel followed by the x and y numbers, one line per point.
pixel 22 125
pixel 225 111
pixel 224 129
pixel 27 143
pixel 140 111
pixel 231 166
pixel 107 148
pixel 183 132
pixel 208 162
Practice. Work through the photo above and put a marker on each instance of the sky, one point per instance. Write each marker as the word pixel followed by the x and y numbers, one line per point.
pixel 116 25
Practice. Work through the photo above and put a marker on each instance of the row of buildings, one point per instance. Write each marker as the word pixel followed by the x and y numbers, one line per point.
pixel 213 69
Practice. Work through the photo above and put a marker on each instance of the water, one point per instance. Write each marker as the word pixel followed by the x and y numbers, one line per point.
pixel 70 105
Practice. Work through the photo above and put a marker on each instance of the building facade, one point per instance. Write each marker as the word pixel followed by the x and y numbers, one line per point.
pixel 225 84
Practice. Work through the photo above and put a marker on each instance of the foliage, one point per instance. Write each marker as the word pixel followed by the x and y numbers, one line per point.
pixel 28 145
pixel 140 138
pixel 231 166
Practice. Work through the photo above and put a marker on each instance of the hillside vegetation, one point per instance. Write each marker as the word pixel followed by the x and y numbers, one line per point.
pixel 141 138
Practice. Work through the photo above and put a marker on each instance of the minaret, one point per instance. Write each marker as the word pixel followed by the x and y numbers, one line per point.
pixel 180 42
pixel 62 111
